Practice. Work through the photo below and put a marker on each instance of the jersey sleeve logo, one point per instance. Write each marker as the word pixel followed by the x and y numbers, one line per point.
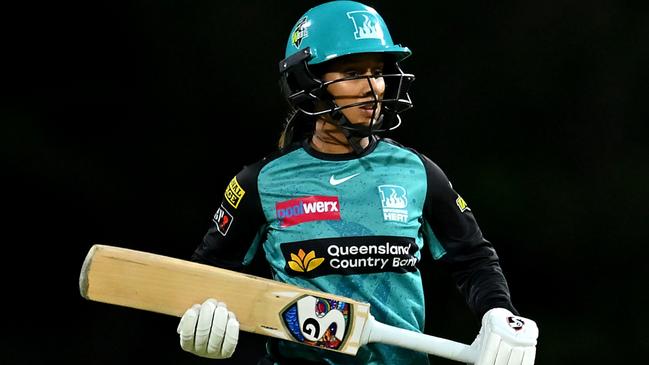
pixel 234 193
pixel 223 220
pixel 462 204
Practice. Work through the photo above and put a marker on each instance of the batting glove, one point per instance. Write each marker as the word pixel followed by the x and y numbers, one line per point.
pixel 506 339
pixel 209 330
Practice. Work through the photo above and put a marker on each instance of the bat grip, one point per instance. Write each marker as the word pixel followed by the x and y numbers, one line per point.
pixel 383 333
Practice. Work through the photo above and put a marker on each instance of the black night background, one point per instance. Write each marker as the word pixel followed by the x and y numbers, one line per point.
pixel 123 121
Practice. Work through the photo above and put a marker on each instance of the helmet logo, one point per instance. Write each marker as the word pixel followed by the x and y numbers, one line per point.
pixel 367 25
pixel 301 31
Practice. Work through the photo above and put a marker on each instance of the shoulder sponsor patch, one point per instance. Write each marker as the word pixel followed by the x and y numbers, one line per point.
pixel 234 193
pixel 307 209
pixel 223 219
pixel 462 204
pixel 350 255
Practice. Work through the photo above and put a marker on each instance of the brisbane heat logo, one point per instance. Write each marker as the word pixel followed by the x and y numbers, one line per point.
pixel 394 201
pixel 307 209
pixel 367 25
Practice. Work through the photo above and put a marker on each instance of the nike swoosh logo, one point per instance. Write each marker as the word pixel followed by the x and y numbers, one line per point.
pixel 333 181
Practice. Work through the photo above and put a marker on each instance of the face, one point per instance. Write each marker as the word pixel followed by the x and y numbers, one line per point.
pixel 366 89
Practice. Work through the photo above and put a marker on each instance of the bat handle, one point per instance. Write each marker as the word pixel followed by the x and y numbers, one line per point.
pixel 383 333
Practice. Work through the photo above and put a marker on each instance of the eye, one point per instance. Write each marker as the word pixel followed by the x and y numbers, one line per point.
pixel 378 72
pixel 352 73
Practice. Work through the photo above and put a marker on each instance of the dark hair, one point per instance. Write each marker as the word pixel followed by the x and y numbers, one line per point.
pixel 297 127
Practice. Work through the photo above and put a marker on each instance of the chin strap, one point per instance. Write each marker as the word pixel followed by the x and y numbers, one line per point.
pixel 353 133
pixel 354 141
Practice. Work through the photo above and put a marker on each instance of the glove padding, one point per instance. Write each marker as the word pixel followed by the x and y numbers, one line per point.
pixel 209 330
pixel 506 339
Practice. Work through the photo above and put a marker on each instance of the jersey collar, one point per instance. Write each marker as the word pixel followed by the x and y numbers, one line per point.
pixel 374 141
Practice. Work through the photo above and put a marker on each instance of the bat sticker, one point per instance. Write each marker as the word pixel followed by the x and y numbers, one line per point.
pixel 318 322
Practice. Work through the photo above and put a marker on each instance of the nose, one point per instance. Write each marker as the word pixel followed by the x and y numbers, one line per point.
pixel 374 85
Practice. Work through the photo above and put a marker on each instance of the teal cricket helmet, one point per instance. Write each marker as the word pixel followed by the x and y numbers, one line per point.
pixel 329 31
pixel 340 28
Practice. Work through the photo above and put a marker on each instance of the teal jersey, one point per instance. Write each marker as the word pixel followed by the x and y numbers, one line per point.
pixel 355 226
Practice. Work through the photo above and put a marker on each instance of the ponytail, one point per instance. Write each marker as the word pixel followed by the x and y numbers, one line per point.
pixel 297 127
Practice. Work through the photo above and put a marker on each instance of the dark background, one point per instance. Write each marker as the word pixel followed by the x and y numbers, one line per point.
pixel 117 115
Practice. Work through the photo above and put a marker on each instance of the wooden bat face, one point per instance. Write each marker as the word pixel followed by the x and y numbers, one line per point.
pixel 168 285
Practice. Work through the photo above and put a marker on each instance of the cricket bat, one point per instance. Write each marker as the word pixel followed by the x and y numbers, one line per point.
pixel 170 286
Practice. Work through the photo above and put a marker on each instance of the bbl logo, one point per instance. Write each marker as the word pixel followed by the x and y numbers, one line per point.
pixel 318 321
pixel 301 31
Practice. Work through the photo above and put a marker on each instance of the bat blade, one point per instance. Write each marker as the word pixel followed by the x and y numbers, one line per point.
pixel 167 285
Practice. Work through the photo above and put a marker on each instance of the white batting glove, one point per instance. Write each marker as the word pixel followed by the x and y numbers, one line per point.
pixel 506 339
pixel 209 330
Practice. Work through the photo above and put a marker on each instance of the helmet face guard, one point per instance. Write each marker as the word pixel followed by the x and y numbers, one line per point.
pixel 308 94
pixel 336 29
